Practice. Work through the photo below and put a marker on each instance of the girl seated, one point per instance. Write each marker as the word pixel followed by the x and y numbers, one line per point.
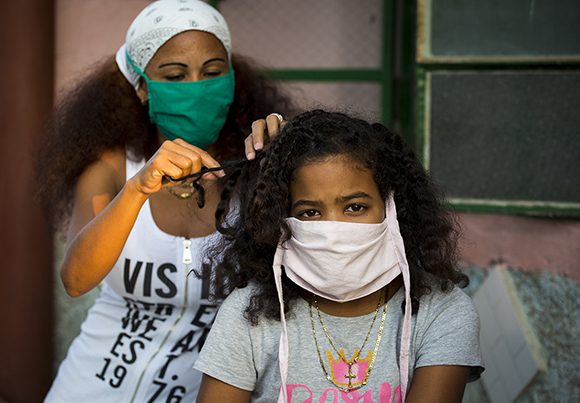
pixel 340 274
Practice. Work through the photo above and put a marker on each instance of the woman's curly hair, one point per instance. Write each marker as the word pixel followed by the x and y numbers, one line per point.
pixel 102 113
pixel 261 189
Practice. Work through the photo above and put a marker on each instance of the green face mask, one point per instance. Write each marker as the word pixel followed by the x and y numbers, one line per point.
pixel 193 111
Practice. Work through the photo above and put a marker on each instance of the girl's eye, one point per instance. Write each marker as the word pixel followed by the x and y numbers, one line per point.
pixel 307 214
pixel 355 208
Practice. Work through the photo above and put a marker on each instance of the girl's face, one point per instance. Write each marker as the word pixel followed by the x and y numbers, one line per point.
pixel 335 189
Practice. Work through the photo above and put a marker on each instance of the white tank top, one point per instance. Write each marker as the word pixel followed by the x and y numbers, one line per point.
pixel 144 332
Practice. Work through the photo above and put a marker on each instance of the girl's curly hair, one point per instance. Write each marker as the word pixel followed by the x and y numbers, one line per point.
pixel 261 190
pixel 102 112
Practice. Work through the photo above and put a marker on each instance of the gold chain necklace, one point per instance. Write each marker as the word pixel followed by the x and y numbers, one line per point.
pixel 355 359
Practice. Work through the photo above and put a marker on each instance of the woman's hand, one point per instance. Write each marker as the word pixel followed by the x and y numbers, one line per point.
pixel 262 131
pixel 103 216
pixel 175 159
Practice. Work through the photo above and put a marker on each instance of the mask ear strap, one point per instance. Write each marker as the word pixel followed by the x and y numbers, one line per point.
pixel 283 348
pixel 137 69
pixel 399 246
pixel 144 100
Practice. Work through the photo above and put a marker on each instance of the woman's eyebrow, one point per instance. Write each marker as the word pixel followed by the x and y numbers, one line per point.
pixel 215 59
pixel 172 64
pixel 180 64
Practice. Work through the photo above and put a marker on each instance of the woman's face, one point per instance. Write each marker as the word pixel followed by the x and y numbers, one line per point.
pixel 188 56
pixel 336 189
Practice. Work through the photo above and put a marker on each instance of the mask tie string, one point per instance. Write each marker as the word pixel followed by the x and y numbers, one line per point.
pixel 399 246
pixel 137 69
pixel 283 349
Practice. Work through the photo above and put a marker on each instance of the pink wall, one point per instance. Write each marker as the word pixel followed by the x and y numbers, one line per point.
pixel 87 31
pixel 526 243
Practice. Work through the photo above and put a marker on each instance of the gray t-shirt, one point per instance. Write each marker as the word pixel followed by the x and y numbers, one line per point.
pixel 445 331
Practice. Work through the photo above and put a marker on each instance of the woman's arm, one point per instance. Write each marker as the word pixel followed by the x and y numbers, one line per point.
pixel 102 219
pixel 213 390
pixel 438 384
pixel 100 223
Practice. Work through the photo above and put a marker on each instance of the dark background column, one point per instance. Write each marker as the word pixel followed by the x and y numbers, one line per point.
pixel 26 93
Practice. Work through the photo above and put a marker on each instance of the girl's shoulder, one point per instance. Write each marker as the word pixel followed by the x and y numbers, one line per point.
pixel 239 298
pixel 452 308
pixel 437 300
pixel 454 297
pixel 235 306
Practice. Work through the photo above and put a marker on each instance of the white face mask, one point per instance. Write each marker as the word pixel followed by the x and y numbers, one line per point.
pixel 340 261
pixel 344 261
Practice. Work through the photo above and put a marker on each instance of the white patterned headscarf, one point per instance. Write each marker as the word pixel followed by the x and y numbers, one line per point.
pixel 159 22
